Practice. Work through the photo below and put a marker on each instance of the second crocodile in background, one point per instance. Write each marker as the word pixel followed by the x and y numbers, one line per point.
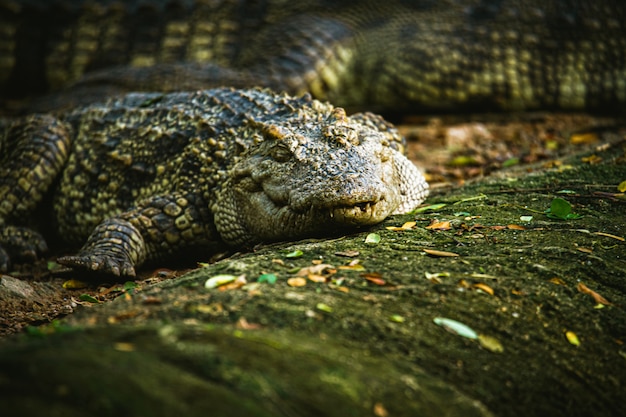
pixel 147 175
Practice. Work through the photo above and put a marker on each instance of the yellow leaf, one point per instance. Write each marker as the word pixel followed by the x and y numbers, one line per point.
pixel 440 253
pixel 622 187
pixel 515 227
pixel 583 138
pixel 437 225
pixel 572 338
pixel 611 236
pixel 296 282
pixel 73 284
pixel 483 287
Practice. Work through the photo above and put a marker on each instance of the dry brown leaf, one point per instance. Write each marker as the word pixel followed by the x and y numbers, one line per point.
pixel 316 270
pixel 597 297
pixel 374 278
pixel 611 236
pixel 242 323
pixel 516 227
pixel 437 225
pixel 440 253
pixel 585 250
pixel 296 282
pixel 316 278
pixel 592 159
pixel 483 287
pixel 405 226
pixel 583 138
pixel 557 281
pixel 348 253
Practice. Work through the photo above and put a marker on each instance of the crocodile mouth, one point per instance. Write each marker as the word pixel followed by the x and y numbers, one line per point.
pixel 360 214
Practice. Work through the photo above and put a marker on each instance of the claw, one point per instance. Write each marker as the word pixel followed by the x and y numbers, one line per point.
pixel 98 263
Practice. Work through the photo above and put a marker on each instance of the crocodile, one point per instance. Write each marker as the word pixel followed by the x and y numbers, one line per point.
pixel 396 54
pixel 147 175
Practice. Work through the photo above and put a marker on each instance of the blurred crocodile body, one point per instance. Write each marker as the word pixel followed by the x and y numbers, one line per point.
pixel 397 54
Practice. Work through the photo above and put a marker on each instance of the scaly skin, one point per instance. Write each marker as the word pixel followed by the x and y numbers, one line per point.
pixel 396 54
pixel 146 176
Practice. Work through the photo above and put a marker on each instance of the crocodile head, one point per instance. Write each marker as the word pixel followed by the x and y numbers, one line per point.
pixel 315 177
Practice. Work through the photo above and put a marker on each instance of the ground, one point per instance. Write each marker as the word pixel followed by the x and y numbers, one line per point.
pixel 360 324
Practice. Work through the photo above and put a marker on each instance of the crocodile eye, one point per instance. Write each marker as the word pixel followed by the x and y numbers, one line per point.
pixel 281 154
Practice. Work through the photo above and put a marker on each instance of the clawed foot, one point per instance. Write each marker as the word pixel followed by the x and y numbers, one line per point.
pixel 107 263
pixel 19 243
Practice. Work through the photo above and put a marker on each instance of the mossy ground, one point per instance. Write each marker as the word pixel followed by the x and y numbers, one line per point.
pixel 362 339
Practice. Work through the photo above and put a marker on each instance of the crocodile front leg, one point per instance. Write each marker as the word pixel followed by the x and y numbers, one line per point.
pixel 157 227
pixel 33 151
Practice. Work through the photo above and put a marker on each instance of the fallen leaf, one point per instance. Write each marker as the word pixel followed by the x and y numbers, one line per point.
pixel 269 278
pixel 348 253
pixel 372 239
pixel 243 324
pixel 516 227
pixel 396 318
pixel 319 269
pixel 440 253
pixel 296 282
pixel 294 254
pixel 124 347
pixel 405 226
pixel 597 297
pixel 352 267
pixel 73 284
pixel 557 281
pixel 438 225
pixel 483 287
pixel 316 278
pixel 218 280
pixel 621 239
pixel 88 298
pixel 592 159
pixel 585 250
pixel 380 411
pixel 456 327
pixel 323 307
pixel 432 207
pixel 622 187
pixel 490 343
pixel 482 276
pixel 572 338
pixel 151 300
pixel 583 138
pixel 237 283
pixel 374 278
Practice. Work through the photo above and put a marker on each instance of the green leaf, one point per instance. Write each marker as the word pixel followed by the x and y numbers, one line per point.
pixel 510 162
pixel 396 318
pixel 432 207
pixel 561 209
pixel 295 254
pixel 324 307
pixel 269 278
pixel 88 298
pixel 218 280
pixel 372 238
